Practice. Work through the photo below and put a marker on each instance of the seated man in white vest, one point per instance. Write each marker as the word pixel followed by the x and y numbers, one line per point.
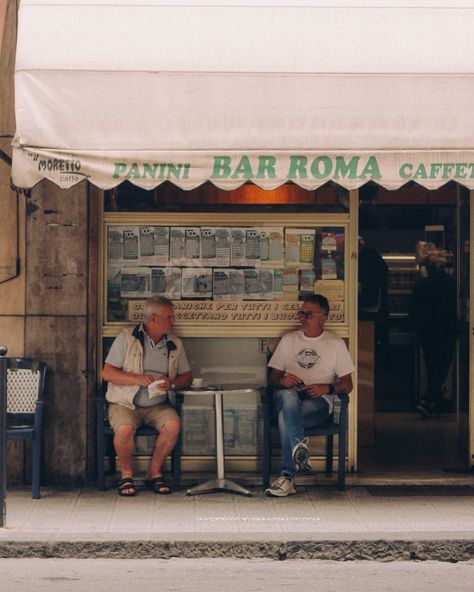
pixel 140 356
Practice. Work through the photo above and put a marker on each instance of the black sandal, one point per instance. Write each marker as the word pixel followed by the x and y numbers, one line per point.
pixel 125 486
pixel 158 485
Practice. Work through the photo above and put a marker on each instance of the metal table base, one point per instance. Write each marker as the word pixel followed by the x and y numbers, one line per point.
pixel 220 483
pixel 214 485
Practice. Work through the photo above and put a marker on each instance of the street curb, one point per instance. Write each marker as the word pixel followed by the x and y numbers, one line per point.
pixel 372 550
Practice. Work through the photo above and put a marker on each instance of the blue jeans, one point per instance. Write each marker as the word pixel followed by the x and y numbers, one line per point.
pixel 295 414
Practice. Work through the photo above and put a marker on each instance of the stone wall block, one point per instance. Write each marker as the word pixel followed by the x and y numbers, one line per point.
pixel 57 226
pixel 60 343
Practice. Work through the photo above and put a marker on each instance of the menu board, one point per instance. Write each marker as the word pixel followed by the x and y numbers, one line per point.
pixel 222 264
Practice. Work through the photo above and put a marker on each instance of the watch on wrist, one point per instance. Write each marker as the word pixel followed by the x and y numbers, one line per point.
pixel 173 386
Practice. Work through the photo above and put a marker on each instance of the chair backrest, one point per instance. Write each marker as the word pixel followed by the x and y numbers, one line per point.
pixel 25 385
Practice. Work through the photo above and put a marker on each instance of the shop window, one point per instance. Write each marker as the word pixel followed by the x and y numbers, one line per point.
pixel 271 265
pixel 126 197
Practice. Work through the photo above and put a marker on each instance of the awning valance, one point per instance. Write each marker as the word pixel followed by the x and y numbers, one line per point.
pixel 233 91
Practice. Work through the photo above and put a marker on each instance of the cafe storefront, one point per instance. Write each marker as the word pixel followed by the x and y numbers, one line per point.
pixel 215 152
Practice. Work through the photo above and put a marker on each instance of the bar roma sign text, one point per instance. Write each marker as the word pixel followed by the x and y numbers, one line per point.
pixel 299 167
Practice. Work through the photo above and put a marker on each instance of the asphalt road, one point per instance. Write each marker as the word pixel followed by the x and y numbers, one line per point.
pixel 231 575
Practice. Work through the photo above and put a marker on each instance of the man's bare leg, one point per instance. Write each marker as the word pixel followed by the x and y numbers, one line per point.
pixel 124 443
pixel 164 444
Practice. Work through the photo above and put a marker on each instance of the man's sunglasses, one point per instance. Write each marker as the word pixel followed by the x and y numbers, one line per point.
pixel 309 315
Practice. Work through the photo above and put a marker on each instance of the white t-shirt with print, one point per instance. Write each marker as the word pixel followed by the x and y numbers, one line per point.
pixel 316 360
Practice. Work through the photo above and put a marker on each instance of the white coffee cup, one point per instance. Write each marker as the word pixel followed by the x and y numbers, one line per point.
pixel 156 388
pixel 197 382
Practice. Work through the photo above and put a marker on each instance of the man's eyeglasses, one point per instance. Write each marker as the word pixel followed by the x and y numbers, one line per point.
pixel 307 314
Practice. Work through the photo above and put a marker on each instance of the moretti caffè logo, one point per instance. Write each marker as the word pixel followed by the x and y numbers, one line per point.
pixel 67 170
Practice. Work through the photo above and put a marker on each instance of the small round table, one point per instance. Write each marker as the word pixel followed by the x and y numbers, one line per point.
pixel 218 391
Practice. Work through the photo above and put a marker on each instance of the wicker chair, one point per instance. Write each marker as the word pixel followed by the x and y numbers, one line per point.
pixel 25 391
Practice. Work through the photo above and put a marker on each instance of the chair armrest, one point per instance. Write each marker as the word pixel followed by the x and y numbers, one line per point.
pixel 343 398
pixel 341 406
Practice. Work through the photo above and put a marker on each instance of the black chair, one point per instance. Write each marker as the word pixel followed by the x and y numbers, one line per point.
pixel 335 424
pixel 105 443
pixel 25 392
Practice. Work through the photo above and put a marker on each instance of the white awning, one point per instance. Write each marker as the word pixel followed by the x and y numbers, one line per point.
pixel 233 91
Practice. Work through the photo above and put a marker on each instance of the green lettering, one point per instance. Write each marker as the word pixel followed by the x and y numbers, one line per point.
pixel 371 169
pixel 243 169
pixel 447 170
pixel 405 170
pixel 434 169
pixel 421 172
pixel 119 168
pixel 266 167
pixel 342 168
pixel 133 172
pixel 297 167
pixel 316 169
pixel 150 170
pixel 221 167
pixel 460 171
pixel 187 166
pixel 162 170
pixel 174 170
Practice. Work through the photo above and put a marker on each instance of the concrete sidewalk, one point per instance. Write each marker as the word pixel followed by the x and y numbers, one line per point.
pixel 320 522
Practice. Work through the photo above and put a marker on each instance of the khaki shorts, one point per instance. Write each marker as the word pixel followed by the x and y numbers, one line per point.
pixel 156 416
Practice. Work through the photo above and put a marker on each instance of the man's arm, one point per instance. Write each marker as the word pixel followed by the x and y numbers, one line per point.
pixel 117 376
pixel 279 379
pixel 181 381
pixel 342 385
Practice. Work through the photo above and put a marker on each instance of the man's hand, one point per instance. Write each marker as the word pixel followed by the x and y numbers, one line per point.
pixel 315 390
pixel 147 379
pixel 290 380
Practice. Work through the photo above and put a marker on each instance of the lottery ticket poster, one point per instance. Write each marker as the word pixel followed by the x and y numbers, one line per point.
pixel 299 247
pixel 154 245
pixel 122 245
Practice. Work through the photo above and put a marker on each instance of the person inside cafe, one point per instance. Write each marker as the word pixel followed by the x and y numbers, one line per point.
pixel 308 368
pixel 433 313
pixel 144 364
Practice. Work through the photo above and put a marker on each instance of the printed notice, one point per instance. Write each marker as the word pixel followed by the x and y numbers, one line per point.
pixel 177 246
pixel 192 246
pixel 307 278
pixel 271 247
pixel 220 282
pixel 154 245
pixel 328 241
pixel 258 284
pixel 166 281
pixel 299 247
pixel 135 282
pixel 215 247
pixel 123 245
pixel 237 247
pixel 277 284
pixel 332 289
pixel 328 268
pixel 197 283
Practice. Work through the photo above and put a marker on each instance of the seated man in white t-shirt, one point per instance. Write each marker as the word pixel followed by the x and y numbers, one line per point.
pixel 308 368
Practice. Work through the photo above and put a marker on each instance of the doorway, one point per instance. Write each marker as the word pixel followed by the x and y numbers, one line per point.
pixel 393 437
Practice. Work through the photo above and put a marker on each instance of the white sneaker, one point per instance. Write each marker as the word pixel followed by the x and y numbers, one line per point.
pixel 300 456
pixel 282 487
